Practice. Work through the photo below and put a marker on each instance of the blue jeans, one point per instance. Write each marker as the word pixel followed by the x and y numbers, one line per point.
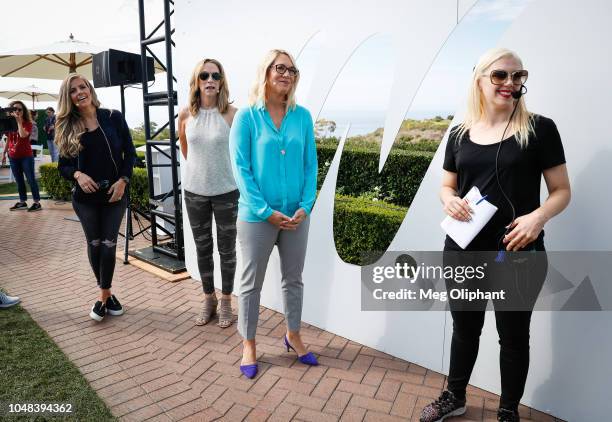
pixel 19 166
pixel 53 151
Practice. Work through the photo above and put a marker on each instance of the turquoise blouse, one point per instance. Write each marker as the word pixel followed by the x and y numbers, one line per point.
pixel 275 169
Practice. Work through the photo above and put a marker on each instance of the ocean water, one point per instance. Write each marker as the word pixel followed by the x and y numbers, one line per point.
pixel 363 122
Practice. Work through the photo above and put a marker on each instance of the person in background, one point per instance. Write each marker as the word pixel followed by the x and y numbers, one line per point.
pixel 19 151
pixel 7 301
pixel 97 153
pixel 274 159
pixel 49 129
pixel 34 134
pixel 210 189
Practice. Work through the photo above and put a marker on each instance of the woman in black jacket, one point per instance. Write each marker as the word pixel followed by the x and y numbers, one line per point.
pixel 96 152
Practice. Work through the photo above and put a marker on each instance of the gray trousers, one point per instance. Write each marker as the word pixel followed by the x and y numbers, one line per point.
pixel 256 243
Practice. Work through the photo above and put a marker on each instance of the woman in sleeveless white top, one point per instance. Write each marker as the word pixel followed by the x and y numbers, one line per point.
pixel 209 186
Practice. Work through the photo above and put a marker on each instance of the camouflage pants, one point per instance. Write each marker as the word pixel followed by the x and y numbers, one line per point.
pixel 200 210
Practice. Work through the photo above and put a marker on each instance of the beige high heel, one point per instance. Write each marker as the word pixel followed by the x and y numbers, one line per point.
pixel 225 313
pixel 209 309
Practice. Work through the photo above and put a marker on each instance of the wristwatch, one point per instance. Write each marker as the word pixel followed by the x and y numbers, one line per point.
pixel 125 179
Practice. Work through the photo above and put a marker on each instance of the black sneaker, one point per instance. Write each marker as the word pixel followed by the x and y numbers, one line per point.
pixel 19 206
pixel 35 207
pixel 505 415
pixel 98 312
pixel 113 306
pixel 445 406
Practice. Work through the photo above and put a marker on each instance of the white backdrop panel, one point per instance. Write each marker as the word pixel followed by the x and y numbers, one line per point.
pixel 562 45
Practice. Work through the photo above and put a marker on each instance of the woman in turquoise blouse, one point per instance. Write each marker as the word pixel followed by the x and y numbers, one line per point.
pixel 274 160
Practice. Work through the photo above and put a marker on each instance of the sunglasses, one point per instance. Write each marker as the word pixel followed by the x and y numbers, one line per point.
pixel 205 75
pixel 281 69
pixel 499 77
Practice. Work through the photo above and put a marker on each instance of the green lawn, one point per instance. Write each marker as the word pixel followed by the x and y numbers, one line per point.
pixel 7 188
pixel 11 188
pixel 34 370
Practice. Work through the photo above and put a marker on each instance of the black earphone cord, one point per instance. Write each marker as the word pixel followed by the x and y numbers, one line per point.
pixel 497 171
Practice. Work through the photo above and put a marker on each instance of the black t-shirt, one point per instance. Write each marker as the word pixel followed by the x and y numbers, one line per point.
pixel 520 175
pixel 96 162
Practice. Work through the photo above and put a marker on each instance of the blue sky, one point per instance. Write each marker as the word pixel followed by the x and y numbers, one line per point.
pixel 373 66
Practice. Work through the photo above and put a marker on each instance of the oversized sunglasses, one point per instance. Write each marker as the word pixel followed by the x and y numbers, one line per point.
pixel 499 77
pixel 281 69
pixel 205 75
pixel 19 109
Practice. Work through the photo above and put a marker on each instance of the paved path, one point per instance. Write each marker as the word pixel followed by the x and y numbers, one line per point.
pixel 153 364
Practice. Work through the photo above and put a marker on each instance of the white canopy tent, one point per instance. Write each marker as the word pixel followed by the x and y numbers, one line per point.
pixel 29 93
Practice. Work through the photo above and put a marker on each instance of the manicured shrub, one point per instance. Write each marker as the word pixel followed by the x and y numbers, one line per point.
pixel 363 229
pixel 59 188
pixel 55 185
pixel 358 173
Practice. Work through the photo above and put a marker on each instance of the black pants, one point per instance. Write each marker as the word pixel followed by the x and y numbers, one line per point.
pixel 101 221
pixel 200 210
pixel 512 326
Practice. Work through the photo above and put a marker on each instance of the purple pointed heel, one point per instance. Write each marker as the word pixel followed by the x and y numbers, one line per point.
pixel 307 359
pixel 249 371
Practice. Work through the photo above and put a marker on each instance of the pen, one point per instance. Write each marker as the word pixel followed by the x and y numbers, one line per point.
pixel 481 199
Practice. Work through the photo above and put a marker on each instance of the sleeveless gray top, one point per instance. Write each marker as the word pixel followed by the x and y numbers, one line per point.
pixel 208 170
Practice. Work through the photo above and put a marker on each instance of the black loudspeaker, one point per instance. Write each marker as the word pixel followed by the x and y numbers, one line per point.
pixel 114 67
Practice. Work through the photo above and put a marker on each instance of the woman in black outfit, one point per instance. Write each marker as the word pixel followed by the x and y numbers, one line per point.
pixel 503 150
pixel 96 152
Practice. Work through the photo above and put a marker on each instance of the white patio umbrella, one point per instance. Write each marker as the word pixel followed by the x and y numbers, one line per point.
pixel 53 61
pixel 30 92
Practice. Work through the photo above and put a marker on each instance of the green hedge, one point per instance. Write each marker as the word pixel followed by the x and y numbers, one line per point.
pixel 358 173
pixel 363 229
pixel 361 226
pixel 59 188
pixel 56 186
pixel 139 190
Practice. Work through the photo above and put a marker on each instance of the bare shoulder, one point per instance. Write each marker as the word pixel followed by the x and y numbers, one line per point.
pixel 184 113
pixel 229 114
pixel 231 111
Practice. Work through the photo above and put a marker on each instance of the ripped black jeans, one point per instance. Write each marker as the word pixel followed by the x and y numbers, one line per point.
pixel 101 221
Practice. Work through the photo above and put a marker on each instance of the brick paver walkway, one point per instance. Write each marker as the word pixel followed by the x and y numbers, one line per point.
pixel 153 364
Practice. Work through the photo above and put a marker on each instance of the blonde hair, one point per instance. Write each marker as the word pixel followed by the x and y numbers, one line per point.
pixel 522 120
pixel 260 86
pixel 69 127
pixel 194 89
